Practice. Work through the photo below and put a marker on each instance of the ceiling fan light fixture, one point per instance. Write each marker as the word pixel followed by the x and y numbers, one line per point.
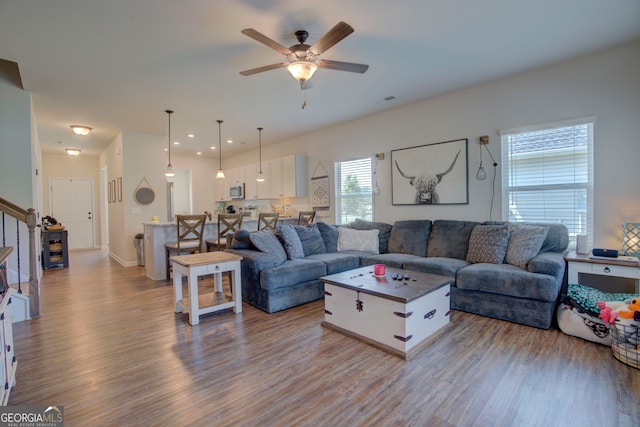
pixel 302 70
pixel 80 130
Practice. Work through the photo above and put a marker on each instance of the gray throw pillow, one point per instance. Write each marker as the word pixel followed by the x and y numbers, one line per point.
pixel 290 241
pixel 267 242
pixel 410 237
pixel 311 239
pixel 383 234
pixel 488 243
pixel 525 242
pixel 241 240
pixel 329 233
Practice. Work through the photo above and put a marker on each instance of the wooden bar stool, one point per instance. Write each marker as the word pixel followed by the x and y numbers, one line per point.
pixel 268 221
pixel 306 217
pixel 189 229
pixel 227 224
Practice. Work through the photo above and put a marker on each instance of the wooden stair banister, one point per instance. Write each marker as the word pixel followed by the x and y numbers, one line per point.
pixel 29 217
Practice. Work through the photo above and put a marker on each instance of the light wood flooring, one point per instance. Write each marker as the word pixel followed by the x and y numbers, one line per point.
pixel 110 349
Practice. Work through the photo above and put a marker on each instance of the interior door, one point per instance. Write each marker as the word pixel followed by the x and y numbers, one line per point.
pixel 72 205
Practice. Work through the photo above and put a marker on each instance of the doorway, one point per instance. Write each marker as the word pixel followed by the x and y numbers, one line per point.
pixel 72 205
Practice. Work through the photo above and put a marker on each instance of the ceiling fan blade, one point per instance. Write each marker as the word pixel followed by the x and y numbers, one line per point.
pixel 337 33
pixel 343 66
pixel 265 68
pixel 266 40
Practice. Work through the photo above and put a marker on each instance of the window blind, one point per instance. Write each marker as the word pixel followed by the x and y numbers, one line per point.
pixel 354 197
pixel 548 176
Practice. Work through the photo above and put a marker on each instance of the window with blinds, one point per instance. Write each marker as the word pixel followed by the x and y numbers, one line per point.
pixel 547 175
pixel 354 196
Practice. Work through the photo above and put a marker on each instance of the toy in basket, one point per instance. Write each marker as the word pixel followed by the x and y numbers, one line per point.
pixel 623 319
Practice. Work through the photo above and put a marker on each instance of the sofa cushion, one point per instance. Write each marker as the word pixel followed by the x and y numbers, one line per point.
pixel 291 242
pixel 241 240
pixel 384 231
pixel 436 265
pixel 506 279
pixel 292 272
pixel 525 241
pixel 311 239
pixel 329 233
pixel 410 237
pixel 337 262
pixel 557 239
pixel 358 240
pixel 390 260
pixel 267 242
pixel 488 243
pixel 450 239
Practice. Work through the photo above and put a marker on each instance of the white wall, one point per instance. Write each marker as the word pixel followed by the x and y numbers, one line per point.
pixel 16 168
pixel 606 85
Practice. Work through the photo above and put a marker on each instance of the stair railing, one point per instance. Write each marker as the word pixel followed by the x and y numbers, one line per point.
pixel 28 217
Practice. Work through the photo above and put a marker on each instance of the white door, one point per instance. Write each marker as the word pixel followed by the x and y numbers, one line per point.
pixel 72 205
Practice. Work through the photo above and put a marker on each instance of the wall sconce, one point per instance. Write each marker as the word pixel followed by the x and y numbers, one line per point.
pixel 631 239
pixel 80 130
pixel 72 151
pixel 481 175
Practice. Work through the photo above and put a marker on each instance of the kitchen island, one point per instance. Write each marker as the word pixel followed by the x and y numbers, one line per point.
pixel 156 234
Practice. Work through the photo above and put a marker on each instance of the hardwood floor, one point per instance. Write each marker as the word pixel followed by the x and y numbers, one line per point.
pixel 110 349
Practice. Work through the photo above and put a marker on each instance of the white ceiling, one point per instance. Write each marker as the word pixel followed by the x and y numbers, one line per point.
pixel 118 64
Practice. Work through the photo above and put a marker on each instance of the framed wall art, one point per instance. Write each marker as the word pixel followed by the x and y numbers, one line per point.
pixel 432 174
pixel 119 189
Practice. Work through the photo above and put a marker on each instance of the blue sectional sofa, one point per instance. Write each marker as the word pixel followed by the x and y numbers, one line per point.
pixel 508 271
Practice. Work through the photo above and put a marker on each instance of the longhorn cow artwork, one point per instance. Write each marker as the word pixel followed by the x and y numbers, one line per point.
pixel 430 174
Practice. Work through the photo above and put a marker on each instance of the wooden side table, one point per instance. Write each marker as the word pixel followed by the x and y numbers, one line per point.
pixel 196 265
pixel 604 267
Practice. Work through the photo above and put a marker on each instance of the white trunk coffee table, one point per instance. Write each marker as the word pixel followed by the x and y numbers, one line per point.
pixel 397 316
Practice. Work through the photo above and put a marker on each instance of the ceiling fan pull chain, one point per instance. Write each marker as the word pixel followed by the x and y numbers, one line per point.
pixel 304 97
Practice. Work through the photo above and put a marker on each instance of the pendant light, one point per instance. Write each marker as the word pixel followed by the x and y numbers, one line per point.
pixel 260 177
pixel 220 174
pixel 169 172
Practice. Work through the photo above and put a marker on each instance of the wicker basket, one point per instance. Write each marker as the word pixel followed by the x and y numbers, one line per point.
pixel 55 247
pixel 625 343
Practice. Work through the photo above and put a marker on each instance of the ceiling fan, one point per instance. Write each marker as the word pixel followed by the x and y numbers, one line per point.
pixel 303 59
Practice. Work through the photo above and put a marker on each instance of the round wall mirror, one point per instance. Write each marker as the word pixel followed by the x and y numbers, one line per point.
pixel 144 195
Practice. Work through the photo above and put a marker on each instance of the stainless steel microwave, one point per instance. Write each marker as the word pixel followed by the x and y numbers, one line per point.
pixel 236 191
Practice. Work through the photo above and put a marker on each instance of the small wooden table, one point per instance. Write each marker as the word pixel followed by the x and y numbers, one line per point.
pixel 196 265
pixel 395 315
pixel 605 267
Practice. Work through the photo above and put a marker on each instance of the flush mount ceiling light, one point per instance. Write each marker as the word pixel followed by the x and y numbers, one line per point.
pixel 80 130
pixel 169 172
pixel 72 151
pixel 220 174
pixel 260 177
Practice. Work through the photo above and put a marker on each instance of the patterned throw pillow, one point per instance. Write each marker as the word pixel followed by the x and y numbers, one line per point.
pixel 525 242
pixel 488 243
pixel 267 242
pixel 291 242
pixel 358 240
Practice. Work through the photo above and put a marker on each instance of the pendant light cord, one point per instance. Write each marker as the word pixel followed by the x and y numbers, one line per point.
pixel 169 113
pixel 260 146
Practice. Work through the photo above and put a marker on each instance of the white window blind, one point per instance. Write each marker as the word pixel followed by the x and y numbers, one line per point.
pixel 547 175
pixel 354 197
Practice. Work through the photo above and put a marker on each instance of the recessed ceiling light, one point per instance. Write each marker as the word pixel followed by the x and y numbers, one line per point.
pixel 230 141
pixel 191 135
pixel 199 153
pixel 72 151
pixel 213 148
pixel 176 143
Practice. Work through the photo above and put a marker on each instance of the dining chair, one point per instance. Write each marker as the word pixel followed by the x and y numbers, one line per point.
pixel 189 231
pixel 306 217
pixel 227 224
pixel 267 221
